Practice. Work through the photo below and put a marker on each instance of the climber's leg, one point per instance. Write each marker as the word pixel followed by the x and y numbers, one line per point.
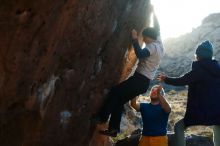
pixel 127 90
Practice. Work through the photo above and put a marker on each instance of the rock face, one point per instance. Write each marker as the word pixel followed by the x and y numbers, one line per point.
pixel 58 58
pixel 180 50
pixel 99 139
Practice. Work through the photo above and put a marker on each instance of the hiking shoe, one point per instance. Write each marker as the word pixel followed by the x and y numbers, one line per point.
pixel 112 133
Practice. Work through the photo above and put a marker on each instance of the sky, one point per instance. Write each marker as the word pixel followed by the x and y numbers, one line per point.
pixel 177 17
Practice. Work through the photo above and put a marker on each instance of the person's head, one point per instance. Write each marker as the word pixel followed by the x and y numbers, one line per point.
pixel 204 51
pixel 149 35
pixel 154 93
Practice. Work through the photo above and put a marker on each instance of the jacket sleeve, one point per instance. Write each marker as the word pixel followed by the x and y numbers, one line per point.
pixel 186 79
pixel 140 53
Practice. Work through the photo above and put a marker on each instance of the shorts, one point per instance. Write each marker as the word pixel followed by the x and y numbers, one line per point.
pixel 153 141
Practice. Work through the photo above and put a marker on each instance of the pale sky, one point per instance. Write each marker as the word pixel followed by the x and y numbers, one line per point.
pixel 178 17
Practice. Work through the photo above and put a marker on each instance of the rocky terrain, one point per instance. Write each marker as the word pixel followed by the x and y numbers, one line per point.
pixel 180 50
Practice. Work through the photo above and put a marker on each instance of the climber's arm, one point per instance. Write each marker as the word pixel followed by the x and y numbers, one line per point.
pixel 140 53
pixel 163 102
pixel 156 24
pixel 155 20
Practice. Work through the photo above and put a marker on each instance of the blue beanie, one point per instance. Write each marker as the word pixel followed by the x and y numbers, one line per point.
pixel 204 50
pixel 150 32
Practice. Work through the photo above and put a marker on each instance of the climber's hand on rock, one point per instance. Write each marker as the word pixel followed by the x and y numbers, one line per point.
pixel 134 34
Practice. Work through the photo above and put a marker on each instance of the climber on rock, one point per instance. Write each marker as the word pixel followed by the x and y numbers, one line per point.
pixel 149 59
pixel 203 93
pixel 154 117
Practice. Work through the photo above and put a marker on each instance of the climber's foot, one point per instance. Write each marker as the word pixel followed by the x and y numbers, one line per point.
pixel 112 133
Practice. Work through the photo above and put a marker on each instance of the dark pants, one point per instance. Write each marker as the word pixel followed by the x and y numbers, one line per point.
pixel 119 95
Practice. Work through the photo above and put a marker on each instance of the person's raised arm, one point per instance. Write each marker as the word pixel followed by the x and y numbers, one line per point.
pixel 140 53
pixel 186 79
pixel 155 20
pixel 134 104
pixel 163 102
pixel 156 24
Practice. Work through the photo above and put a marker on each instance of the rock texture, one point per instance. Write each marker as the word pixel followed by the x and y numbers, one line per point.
pixel 58 58
pixel 180 50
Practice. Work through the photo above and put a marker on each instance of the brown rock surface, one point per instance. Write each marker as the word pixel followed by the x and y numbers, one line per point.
pixel 99 139
pixel 57 60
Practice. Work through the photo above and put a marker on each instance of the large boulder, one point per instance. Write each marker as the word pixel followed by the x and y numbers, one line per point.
pixel 58 58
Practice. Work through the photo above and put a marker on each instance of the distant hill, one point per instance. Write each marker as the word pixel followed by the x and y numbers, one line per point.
pixel 180 51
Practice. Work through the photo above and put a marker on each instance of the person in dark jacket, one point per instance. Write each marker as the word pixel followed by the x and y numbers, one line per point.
pixel 149 59
pixel 203 93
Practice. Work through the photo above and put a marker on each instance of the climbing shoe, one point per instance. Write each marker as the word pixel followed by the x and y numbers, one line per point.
pixel 112 133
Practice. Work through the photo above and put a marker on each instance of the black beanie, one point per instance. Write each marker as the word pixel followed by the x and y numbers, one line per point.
pixel 205 50
pixel 150 32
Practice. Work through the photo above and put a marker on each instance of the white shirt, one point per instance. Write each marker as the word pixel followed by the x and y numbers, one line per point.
pixel 148 66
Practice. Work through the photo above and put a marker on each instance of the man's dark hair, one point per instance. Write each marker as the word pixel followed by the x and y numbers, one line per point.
pixel 150 32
